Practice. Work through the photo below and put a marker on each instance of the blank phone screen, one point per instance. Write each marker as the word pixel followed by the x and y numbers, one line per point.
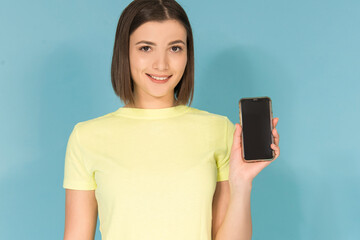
pixel 256 128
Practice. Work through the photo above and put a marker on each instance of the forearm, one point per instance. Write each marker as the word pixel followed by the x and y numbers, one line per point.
pixel 237 223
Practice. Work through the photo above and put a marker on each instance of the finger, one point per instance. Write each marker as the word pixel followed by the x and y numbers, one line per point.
pixel 276 136
pixel 276 149
pixel 275 121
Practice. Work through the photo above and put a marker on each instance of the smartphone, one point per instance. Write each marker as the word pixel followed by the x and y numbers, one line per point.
pixel 256 121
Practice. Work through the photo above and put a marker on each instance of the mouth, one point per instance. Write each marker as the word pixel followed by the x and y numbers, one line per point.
pixel 159 78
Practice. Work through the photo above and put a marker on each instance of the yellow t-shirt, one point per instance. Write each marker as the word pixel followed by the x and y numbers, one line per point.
pixel 154 171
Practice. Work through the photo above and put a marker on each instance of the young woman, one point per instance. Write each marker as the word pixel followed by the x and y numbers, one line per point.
pixel 157 168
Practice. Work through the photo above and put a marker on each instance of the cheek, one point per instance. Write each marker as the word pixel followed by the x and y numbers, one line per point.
pixel 137 62
pixel 180 63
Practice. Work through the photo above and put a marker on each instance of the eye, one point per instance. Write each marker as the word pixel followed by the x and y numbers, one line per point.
pixel 145 48
pixel 176 48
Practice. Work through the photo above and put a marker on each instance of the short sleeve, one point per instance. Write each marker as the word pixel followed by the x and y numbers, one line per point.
pixel 223 162
pixel 76 174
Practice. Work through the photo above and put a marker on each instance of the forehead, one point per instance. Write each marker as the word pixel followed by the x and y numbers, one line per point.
pixel 163 31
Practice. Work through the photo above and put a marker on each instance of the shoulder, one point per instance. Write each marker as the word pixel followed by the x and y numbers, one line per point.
pixel 94 125
pixel 209 116
pixel 214 123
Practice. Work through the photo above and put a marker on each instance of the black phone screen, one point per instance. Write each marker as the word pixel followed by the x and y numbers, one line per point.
pixel 256 125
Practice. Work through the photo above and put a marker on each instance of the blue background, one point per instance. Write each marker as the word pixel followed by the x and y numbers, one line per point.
pixel 55 59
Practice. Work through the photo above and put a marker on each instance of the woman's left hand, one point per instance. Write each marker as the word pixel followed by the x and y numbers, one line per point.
pixel 244 172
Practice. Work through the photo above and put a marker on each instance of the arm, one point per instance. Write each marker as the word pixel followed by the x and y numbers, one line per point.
pixel 237 222
pixel 80 214
pixel 220 205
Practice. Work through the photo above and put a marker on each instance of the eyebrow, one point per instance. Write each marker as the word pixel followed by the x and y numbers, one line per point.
pixel 153 44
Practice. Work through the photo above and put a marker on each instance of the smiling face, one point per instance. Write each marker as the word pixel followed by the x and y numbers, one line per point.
pixel 158 57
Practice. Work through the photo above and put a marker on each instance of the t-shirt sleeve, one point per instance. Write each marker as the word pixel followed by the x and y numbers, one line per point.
pixel 223 162
pixel 76 173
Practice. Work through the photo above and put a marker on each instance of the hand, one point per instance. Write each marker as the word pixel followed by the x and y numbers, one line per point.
pixel 244 172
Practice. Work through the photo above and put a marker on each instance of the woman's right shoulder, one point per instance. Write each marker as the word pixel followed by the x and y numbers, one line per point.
pixel 95 123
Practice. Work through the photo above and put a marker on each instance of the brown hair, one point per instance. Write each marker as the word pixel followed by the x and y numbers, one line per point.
pixel 135 14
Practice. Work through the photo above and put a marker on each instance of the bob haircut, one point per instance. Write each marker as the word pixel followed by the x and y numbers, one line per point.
pixel 135 14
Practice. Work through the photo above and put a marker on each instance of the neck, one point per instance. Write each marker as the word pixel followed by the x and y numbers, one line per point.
pixel 134 105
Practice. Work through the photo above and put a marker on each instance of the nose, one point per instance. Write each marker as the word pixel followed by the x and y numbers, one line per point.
pixel 161 61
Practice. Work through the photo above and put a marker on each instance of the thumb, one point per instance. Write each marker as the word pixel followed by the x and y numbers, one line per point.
pixel 237 136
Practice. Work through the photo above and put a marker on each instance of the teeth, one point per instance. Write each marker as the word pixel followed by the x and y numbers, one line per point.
pixel 158 78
